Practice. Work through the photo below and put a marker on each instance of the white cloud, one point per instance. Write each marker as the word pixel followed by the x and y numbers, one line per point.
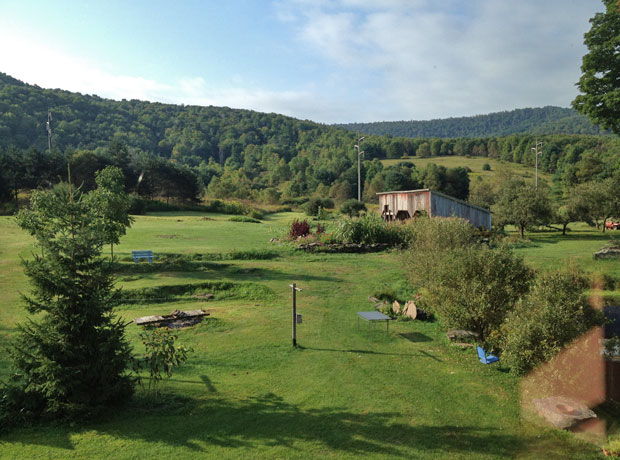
pixel 451 58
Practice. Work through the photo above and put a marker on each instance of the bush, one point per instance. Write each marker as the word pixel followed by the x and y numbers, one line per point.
pixel 554 314
pixel 369 229
pixel 161 355
pixel 429 241
pixel 299 229
pixel 474 288
pixel 244 219
pixel 486 167
pixel 314 204
pixel 352 208
pixel 256 214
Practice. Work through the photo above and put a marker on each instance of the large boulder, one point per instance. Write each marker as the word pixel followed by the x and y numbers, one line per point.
pixel 607 253
pixel 562 412
pixel 460 335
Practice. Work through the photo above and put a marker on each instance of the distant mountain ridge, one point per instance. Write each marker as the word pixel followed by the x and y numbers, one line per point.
pixel 544 120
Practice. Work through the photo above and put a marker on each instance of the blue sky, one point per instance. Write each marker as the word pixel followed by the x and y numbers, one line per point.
pixel 327 61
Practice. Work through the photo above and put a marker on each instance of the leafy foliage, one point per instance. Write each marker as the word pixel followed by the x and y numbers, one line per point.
pixel 368 229
pixel 545 120
pixel 317 204
pixel 600 98
pixel 476 287
pixel 352 208
pixel 554 314
pixel 161 355
pixel 522 205
pixel 299 229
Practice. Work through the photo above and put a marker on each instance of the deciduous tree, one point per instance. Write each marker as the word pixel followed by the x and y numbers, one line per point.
pixel 600 81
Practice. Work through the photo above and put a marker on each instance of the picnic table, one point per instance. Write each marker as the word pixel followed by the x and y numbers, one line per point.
pixel 371 316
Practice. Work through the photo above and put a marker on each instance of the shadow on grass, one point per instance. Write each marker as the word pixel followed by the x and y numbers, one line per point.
pixel 415 337
pixel 227 272
pixel 270 421
pixel 371 352
pixel 539 239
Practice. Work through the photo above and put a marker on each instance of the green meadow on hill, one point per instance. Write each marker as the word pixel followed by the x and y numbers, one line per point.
pixel 475 165
pixel 245 392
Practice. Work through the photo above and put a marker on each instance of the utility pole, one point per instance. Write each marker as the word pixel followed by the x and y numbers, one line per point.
pixel 359 168
pixel 295 289
pixel 537 152
pixel 49 131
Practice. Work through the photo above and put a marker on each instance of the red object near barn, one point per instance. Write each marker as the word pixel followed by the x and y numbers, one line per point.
pixel 612 225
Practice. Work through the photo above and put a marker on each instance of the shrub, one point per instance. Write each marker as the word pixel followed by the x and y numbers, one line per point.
pixel 244 219
pixel 429 240
pixel 352 208
pixel 369 229
pixel 161 355
pixel 474 288
pixel 256 214
pixel 554 314
pixel 299 229
pixel 314 204
pixel 486 167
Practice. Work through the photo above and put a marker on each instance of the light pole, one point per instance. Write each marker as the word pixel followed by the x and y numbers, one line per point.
pixel 359 173
pixel 535 149
pixel 48 126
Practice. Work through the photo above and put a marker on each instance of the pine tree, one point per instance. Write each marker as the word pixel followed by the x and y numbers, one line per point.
pixel 73 358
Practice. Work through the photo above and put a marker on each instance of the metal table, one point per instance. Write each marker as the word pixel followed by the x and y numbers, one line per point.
pixel 373 316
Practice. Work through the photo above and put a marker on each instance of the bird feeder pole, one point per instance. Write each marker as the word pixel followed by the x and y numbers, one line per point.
pixel 295 289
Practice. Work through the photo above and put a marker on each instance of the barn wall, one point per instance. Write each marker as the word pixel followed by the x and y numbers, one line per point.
pixel 410 202
pixel 435 204
pixel 445 207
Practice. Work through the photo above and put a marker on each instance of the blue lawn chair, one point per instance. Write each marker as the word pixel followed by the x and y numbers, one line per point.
pixel 487 358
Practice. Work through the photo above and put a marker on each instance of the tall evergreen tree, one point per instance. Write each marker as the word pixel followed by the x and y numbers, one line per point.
pixel 73 358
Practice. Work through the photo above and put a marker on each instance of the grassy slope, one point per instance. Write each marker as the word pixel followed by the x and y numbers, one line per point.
pixel 246 393
pixel 475 164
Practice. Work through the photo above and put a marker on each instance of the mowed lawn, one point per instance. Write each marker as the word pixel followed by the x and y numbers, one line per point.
pixel 345 392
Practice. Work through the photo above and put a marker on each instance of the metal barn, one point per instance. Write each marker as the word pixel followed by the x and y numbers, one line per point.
pixel 407 204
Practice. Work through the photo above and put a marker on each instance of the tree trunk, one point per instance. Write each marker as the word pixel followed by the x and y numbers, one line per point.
pixel 111 252
pixel 564 229
pixel 522 230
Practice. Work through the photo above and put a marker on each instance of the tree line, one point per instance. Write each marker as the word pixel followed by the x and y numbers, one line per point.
pixel 182 152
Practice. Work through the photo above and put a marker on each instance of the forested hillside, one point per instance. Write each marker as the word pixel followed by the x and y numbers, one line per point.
pixel 545 120
pixel 185 153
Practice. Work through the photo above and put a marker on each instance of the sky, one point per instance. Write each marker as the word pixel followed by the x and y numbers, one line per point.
pixel 332 61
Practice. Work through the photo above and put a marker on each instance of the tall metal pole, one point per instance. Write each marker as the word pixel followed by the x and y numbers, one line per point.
pixel 295 289
pixel 49 131
pixel 359 168
pixel 535 149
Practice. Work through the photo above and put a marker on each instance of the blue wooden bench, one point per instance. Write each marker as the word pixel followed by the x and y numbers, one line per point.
pixel 137 255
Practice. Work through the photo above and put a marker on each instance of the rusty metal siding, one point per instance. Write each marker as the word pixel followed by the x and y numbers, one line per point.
pixel 442 205
pixel 435 204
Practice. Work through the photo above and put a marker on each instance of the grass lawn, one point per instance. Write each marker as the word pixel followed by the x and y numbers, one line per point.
pixel 345 392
